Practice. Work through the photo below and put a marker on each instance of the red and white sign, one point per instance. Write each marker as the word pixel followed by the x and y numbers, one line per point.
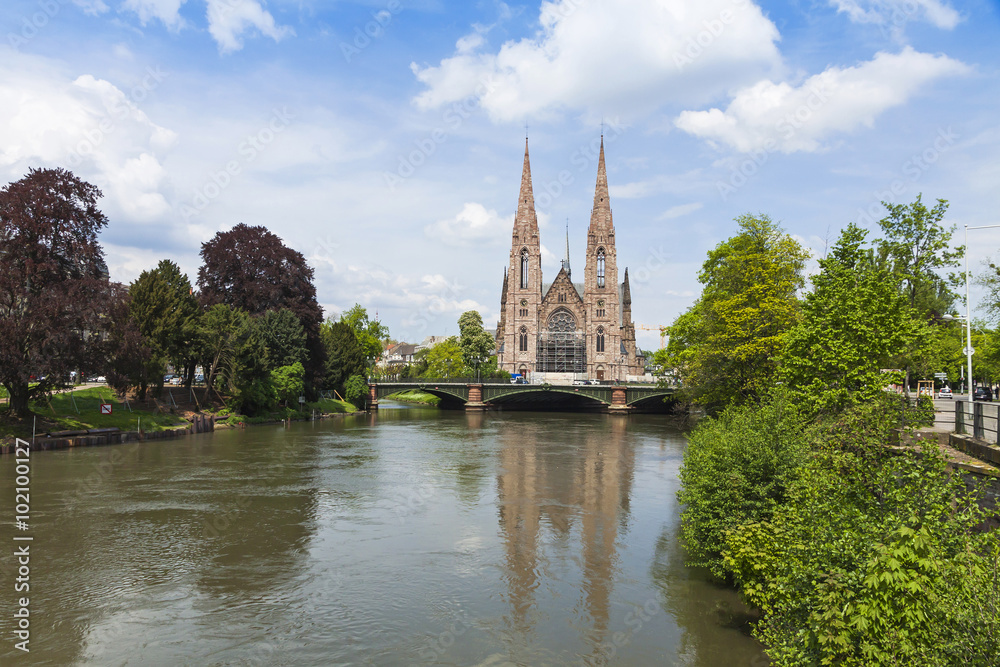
pixel 105 408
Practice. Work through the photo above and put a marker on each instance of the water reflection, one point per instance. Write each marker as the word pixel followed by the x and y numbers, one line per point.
pixel 575 491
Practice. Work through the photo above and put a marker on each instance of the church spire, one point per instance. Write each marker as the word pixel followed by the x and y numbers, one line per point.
pixel 600 216
pixel 565 262
pixel 526 221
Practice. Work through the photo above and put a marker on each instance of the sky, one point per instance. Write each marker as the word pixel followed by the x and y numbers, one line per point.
pixel 384 139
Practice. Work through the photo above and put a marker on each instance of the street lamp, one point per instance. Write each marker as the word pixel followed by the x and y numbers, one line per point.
pixel 968 306
pixel 968 333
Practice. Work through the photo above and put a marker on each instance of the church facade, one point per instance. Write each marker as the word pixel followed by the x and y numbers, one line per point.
pixel 565 327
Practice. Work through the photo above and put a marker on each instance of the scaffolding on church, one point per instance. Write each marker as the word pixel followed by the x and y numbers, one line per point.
pixel 562 352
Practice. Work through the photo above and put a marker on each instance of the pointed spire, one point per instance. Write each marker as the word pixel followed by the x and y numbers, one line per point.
pixel 503 293
pixel 601 213
pixel 565 262
pixel 626 292
pixel 526 219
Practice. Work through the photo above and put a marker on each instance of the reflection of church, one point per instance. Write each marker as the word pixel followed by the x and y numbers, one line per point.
pixel 546 496
pixel 565 327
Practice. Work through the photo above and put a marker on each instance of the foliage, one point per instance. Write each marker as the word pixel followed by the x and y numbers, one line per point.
pixel 284 338
pixel 444 360
pixel 727 344
pixel 369 333
pixel 344 354
pixel 356 391
pixel 127 355
pixel 736 471
pixel 288 383
pixel 82 410
pixel 916 247
pixel 852 324
pixel 867 556
pixel 222 329
pixel 477 344
pixel 251 269
pixel 166 312
pixel 53 282
pixel 415 396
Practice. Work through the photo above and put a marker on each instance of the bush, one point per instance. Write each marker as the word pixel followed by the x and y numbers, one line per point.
pixel 356 391
pixel 736 471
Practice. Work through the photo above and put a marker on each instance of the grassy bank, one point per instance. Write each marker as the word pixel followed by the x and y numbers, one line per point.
pixel 82 410
pixel 414 396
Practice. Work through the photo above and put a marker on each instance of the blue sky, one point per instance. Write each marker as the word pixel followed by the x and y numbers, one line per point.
pixel 384 139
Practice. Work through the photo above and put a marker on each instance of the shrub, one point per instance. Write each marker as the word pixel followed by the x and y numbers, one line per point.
pixel 356 391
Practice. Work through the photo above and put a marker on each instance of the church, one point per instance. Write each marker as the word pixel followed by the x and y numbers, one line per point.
pixel 562 329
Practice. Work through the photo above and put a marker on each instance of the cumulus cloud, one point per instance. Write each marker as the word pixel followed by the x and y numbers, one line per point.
pixel 229 19
pixel 88 125
pixel 616 56
pixel 474 224
pixel 167 11
pixel 897 13
pixel 781 117
pixel 679 211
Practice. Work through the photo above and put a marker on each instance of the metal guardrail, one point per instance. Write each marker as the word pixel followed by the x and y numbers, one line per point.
pixel 984 418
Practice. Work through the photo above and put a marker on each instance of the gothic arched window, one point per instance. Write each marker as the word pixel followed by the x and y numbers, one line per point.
pixel 600 339
pixel 524 268
pixel 522 340
pixel 600 267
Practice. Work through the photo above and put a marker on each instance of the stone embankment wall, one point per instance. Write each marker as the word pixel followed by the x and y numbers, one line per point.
pixel 982 472
pixel 106 436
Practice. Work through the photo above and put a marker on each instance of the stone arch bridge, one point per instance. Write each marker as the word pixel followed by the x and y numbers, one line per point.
pixel 617 398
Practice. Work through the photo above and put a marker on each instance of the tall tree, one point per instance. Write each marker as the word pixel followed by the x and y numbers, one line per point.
pixel 251 269
pixel 370 333
pixel 53 282
pixel 222 329
pixel 853 322
pixel 344 354
pixel 477 344
pixel 128 358
pixel 444 360
pixel 730 340
pixel 284 338
pixel 167 313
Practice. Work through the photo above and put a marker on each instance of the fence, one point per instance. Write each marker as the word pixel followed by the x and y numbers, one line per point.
pixel 983 417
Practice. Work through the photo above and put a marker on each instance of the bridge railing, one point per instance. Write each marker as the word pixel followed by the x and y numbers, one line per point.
pixel 982 418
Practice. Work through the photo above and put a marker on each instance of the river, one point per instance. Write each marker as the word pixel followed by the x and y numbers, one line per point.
pixel 410 536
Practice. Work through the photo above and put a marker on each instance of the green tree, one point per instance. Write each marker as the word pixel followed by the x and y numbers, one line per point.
pixel 284 338
pixel 356 391
pixel 253 391
pixel 444 360
pixel 728 342
pixel 222 329
pixel 369 333
pixel 853 322
pixel 289 383
pixel 477 344
pixel 344 354
pixel 162 304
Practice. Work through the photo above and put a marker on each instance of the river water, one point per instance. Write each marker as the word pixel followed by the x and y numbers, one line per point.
pixel 414 536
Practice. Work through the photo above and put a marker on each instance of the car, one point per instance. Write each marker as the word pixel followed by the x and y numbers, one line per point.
pixel 168 378
pixel 517 379
pixel 945 392
pixel 982 394
pixel 199 378
pixel 176 380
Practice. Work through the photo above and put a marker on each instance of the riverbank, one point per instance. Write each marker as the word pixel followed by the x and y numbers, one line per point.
pixel 416 397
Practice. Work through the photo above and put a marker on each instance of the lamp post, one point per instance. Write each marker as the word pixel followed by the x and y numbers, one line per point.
pixel 968 334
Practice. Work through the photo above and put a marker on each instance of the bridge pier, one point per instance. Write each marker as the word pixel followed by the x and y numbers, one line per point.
pixel 372 398
pixel 475 402
pixel 619 402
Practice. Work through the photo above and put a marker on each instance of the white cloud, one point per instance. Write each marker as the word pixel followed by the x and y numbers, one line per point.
pixel 474 224
pixel 777 116
pixel 679 211
pixel 91 7
pixel 897 13
pixel 88 125
pixel 614 56
pixel 229 19
pixel 167 11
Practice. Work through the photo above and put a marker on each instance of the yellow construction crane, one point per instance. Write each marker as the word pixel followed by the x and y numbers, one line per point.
pixel 661 329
